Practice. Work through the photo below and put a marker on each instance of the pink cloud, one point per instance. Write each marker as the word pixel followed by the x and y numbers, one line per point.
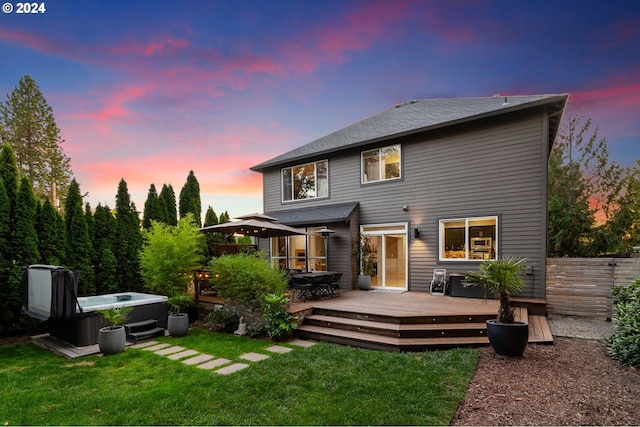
pixel 164 46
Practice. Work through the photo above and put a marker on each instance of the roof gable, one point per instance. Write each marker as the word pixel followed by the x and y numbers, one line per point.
pixel 418 116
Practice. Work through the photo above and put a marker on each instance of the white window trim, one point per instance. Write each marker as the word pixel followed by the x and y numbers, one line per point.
pixel 466 235
pixel 362 167
pixel 315 175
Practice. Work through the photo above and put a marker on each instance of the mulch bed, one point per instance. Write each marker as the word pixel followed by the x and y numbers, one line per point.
pixel 573 382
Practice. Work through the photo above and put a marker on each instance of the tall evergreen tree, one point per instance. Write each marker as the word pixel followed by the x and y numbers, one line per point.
pixel 584 190
pixel 50 245
pixel 79 245
pixel 190 199
pixel 27 123
pixel 168 205
pixel 9 176
pixel 104 260
pixel 210 217
pixel 128 242
pixel 152 209
pixel 25 244
pixel 9 292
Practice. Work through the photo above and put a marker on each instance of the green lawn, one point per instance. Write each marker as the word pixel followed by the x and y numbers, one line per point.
pixel 321 385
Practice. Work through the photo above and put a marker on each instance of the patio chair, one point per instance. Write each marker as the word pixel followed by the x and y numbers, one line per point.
pixel 304 287
pixel 438 284
pixel 334 284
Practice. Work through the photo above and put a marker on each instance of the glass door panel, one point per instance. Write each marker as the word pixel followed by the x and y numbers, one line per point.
pixel 395 261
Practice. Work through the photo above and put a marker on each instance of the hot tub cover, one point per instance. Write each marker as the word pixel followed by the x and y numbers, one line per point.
pixel 49 292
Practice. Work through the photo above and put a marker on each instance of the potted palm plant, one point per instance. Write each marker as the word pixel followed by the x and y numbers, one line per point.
pixel 501 277
pixel 178 322
pixel 367 263
pixel 112 338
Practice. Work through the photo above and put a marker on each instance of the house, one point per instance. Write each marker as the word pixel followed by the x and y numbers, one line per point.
pixel 435 183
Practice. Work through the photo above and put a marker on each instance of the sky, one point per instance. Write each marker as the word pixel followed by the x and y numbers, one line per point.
pixel 147 91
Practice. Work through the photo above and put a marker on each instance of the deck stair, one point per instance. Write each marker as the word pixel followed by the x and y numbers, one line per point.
pixel 140 331
pixel 408 333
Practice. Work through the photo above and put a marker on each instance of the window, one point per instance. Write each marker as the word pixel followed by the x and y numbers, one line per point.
pixel 303 252
pixel 306 181
pixel 381 164
pixel 467 239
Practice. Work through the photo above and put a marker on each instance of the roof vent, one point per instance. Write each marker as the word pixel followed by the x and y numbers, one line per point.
pixel 406 103
pixel 505 101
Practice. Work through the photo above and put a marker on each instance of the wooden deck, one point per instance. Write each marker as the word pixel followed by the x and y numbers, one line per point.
pixel 410 321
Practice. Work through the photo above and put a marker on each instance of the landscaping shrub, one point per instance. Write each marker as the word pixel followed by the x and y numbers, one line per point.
pixel 279 322
pixel 223 319
pixel 624 344
pixel 246 278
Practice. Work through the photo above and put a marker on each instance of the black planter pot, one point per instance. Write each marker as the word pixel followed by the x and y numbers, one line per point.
pixel 508 339
pixel 178 324
pixel 112 341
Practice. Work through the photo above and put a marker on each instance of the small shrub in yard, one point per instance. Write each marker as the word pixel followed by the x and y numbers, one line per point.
pixel 279 322
pixel 624 344
pixel 223 319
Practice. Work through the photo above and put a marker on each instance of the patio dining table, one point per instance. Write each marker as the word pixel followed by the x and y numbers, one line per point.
pixel 314 284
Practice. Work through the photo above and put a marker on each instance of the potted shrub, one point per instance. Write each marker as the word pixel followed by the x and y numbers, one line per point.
pixel 502 278
pixel 112 338
pixel 178 322
pixel 367 263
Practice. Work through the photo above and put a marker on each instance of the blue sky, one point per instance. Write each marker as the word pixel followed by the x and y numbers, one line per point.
pixel 149 90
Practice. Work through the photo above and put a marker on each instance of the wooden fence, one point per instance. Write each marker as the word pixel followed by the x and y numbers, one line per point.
pixel 583 286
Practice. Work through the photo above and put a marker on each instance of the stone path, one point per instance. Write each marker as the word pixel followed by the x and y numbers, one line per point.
pixel 219 365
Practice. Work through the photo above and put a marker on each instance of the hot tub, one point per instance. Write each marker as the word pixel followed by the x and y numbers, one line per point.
pixel 83 329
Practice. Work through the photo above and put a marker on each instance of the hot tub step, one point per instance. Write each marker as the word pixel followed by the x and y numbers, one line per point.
pixel 142 326
pixel 145 335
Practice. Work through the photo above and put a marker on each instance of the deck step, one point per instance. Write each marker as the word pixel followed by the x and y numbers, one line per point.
pixel 145 335
pixel 412 330
pixel 385 343
pixel 141 326
pixel 414 333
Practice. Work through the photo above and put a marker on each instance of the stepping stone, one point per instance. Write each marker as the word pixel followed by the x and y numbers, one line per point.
pixel 231 368
pixel 279 349
pixel 170 350
pixel 214 363
pixel 144 344
pixel 302 343
pixel 182 354
pixel 198 359
pixel 157 347
pixel 254 357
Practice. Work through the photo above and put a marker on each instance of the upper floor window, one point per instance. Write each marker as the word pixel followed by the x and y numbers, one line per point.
pixel 465 239
pixel 306 181
pixel 381 164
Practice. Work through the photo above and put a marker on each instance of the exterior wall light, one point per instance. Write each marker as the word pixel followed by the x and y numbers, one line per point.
pixel 416 233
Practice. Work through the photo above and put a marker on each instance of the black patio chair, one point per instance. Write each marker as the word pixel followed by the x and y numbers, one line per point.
pixel 304 286
pixel 334 284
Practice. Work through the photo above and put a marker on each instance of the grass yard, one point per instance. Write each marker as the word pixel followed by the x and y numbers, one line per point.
pixel 320 385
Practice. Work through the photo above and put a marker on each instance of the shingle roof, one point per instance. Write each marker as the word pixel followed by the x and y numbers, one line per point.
pixel 321 215
pixel 418 116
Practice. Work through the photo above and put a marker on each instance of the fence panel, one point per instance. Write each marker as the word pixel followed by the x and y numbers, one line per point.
pixel 582 286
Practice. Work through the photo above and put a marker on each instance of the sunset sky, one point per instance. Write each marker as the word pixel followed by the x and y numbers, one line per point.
pixel 149 90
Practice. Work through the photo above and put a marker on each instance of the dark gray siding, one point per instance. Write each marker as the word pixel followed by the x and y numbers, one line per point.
pixel 493 168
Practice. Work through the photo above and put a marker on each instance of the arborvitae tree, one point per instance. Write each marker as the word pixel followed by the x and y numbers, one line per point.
pixel 190 199
pixel 106 272
pixel 9 176
pixel 104 261
pixel 27 123
pixel 79 244
pixel 25 243
pixel 9 292
pixel 210 218
pixel 224 217
pixel 50 246
pixel 89 217
pixel 152 208
pixel 168 204
pixel 128 241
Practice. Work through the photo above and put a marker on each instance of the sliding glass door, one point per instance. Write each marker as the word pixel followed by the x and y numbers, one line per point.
pixel 389 245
